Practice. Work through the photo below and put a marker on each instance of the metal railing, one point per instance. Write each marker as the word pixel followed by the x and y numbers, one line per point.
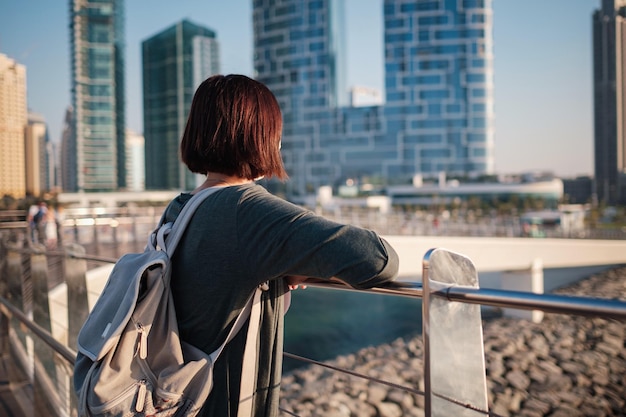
pixel 40 344
pixel 125 224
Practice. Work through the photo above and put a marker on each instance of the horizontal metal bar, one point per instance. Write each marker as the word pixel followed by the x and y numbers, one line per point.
pixel 10 310
pixel 86 257
pixel 401 288
pixel 13 224
pixel 550 303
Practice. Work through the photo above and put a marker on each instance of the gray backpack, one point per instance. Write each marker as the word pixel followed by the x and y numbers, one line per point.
pixel 130 360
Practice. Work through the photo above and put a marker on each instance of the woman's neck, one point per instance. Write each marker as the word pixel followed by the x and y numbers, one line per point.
pixel 216 179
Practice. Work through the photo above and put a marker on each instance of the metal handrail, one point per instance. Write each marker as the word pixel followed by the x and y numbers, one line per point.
pixel 10 310
pixel 549 303
pixel 86 257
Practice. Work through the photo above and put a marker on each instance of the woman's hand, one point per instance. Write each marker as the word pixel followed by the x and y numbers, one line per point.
pixel 295 281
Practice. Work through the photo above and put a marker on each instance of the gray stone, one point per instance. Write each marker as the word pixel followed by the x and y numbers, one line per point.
pixel 376 393
pixel 539 345
pixel 389 410
pixel 518 379
pixel 500 409
pixel 536 374
pixel 565 411
pixel 516 401
pixel 550 367
pixel 415 412
pixel 570 398
pixel 364 409
pixel 496 367
pixel 402 398
pixel 600 374
pixel 573 368
pixel 536 405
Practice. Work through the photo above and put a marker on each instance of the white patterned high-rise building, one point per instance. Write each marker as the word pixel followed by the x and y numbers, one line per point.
pixel 13 119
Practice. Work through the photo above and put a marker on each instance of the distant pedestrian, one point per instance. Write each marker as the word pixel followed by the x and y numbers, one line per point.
pixel 30 217
pixel 40 220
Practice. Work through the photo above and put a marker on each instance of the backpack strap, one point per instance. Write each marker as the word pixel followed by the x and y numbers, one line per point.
pixel 252 309
pixel 173 231
pixel 249 366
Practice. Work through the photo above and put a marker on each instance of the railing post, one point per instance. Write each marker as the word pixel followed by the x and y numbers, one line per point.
pixel 4 321
pixel 96 242
pixel 39 276
pixel 75 270
pixel 14 275
pixel 134 232
pixel 454 360
pixel 43 359
pixel 528 280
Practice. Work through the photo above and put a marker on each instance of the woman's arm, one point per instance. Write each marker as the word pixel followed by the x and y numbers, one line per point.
pixel 287 240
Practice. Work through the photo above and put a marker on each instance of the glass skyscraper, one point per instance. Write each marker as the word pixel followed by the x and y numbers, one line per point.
pixel 438 116
pixel 97 65
pixel 299 53
pixel 439 86
pixel 175 62
pixel 609 89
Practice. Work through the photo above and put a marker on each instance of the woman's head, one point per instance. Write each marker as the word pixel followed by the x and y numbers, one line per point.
pixel 234 128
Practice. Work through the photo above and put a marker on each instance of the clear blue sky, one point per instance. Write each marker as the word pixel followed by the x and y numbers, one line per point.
pixel 543 72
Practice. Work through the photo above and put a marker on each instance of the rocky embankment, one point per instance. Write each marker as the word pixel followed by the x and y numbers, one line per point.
pixel 566 366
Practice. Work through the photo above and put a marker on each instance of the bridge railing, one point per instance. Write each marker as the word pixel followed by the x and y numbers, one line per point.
pixel 40 323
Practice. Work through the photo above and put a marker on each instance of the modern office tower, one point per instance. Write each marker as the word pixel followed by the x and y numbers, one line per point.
pixel 97 82
pixel 609 88
pixel 135 161
pixel 53 172
pixel 36 162
pixel 439 86
pixel 299 53
pixel 175 62
pixel 13 119
pixel 438 114
pixel 67 159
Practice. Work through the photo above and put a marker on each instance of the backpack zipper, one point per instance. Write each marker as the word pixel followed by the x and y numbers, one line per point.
pixel 143 341
pixel 141 396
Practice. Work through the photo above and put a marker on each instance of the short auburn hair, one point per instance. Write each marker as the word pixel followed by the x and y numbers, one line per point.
pixel 234 128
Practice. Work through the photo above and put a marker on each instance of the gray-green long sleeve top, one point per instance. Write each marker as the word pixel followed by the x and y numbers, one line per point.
pixel 240 237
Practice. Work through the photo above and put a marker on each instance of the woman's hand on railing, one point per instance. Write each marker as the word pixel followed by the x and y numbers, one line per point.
pixel 295 281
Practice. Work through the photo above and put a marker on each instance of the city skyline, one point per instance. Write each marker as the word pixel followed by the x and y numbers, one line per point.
pixel 543 100
pixel 438 110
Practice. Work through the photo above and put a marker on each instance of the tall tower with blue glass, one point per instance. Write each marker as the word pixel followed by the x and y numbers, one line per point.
pixel 175 61
pixel 438 115
pixel 439 86
pixel 299 54
pixel 97 80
